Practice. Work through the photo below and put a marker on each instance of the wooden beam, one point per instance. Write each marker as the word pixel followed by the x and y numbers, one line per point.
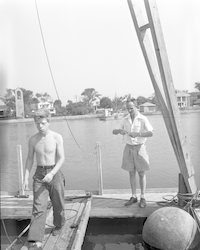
pixel 167 82
pixel 182 189
pixel 78 241
pixel 151 63
pixel 123 211
pixel 99 162
pixel 159 70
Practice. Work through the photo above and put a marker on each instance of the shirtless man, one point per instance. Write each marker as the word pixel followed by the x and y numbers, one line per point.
pixel 48 179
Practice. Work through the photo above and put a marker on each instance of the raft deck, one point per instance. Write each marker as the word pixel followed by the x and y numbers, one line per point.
pixel 77 211
pixel 110 204
pixel 82 205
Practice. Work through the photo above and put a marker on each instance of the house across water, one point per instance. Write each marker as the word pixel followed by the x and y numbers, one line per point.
pixel 148 107
pixel 47 105
pixel 2 109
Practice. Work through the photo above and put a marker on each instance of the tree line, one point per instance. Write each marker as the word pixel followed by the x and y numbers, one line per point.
pixel 85 106
pixel 89 97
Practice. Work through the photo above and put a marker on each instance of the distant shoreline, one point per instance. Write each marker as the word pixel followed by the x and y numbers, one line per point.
pixel 90 116
pixel 53 118
pixel 186 111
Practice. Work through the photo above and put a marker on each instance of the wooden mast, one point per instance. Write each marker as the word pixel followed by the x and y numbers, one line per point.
pixel 152 43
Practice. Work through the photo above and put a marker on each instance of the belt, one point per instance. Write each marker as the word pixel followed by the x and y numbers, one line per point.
pixel 135 145
pixel 46 167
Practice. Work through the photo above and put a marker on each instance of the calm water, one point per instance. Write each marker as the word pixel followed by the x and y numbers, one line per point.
pixel 80 168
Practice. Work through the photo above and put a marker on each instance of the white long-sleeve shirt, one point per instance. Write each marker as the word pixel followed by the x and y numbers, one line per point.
pixel 140 124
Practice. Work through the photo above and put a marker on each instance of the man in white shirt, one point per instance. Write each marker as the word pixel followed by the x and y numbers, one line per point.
pixel 135 129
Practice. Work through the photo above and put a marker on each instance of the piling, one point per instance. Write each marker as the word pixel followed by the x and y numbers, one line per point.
pixel 99 163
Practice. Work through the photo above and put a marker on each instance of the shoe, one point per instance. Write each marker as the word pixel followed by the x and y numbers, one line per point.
pixel 131 201
pixel 56 231
pixel 37 245
pixel 25 246
pixel 142 202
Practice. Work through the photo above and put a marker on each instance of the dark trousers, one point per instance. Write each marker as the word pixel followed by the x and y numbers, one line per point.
pixel 41 192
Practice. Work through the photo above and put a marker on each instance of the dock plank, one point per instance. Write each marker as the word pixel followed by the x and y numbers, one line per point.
pixel 109 205
pixel 113 205
pixel 50 241
pixel 16 208
pixel 77 215
pixel 21 208
pixel 124 212
pixel 66 238
pixel 79 238
pixel 197 214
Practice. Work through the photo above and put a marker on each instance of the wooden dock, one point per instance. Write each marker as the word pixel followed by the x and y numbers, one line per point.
pixel 81 206
pixel 77 211
pixel 109 204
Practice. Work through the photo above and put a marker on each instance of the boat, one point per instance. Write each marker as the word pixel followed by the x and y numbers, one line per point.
pixel 109 204
pixel 111 115
pixel 106 114
pixel 107 117
pixel 114 116
pixel 119 115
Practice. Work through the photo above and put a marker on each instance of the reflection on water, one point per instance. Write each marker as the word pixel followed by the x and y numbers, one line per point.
pixel 112 234
pixel 80 168
pixel 10 230
pixel 121 242
pixel 118 246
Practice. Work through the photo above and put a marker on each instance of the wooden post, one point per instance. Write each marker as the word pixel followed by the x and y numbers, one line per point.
pixel 20 170
pixel 99 163
pixel 182 189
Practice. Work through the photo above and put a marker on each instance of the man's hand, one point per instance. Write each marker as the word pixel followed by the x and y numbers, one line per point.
pixel 123 132
pixel 133 134
pixel 48 177
pixel 25 185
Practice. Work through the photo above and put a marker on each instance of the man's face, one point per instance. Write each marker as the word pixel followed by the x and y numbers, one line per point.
pixel 42 125
pixel 131 108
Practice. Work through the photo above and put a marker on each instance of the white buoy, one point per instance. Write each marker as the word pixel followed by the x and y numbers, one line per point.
pixel 170 228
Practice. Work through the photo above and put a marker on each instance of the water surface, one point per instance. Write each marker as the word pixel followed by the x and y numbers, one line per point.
pixel 80 138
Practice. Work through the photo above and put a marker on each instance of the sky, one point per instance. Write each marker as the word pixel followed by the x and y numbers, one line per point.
pixel 92 44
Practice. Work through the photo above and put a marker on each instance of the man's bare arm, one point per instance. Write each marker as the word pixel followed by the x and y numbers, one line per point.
pixel 142 134
pixel 59 154
pixel 119 131
pixel 29 163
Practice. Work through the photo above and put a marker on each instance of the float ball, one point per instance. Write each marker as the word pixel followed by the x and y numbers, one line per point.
pixel 170 228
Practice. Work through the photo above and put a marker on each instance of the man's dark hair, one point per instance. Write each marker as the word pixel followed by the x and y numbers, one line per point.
pixel 42 113
pixel 132 100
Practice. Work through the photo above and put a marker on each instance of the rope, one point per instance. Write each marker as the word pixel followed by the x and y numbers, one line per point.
pixel 192 201
pixel 49 205
pixel 18 238
pixel 4 227
pixel 67 218
pixel 169 202
pixel 48 61
pixel 189 198
pixel 195 217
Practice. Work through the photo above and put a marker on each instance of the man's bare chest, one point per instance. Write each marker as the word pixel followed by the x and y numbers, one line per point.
pixel 45 145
